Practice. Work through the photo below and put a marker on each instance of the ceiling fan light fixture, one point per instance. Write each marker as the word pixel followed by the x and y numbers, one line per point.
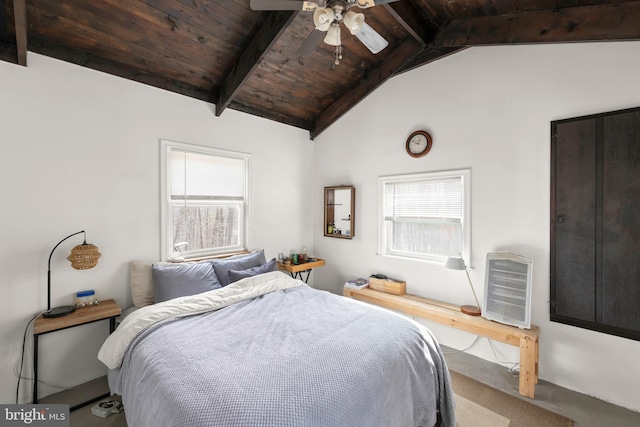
pixel 353 21
pixel 322 18
pixel 333 35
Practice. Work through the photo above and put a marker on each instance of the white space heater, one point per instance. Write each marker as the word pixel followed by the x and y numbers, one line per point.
pixel 507 289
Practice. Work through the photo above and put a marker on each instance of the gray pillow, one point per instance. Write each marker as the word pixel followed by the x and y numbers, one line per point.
pixel 235 275
pixel 222 266
pixel 179 280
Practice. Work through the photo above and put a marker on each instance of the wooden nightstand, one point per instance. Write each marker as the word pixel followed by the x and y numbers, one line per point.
pixel 107 309
pixel 296 270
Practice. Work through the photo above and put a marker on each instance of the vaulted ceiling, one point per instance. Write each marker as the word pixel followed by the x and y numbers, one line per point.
pixel 257 61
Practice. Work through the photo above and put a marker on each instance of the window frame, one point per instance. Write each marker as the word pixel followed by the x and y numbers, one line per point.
pixel 384 248
pixel 166 215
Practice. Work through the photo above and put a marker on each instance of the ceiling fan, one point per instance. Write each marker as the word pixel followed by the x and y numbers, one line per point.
pixel 327 16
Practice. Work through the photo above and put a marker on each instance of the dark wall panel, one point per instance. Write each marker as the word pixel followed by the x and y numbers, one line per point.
pixel 575 219
pixel 620 294
pixel 595 222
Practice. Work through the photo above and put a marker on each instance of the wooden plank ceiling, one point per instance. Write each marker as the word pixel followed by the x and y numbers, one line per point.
pixel 225 53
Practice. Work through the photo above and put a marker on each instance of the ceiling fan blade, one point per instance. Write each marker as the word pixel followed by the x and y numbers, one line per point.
pixel 365 4
pixel 371 39
pixel 282 5
pixel 310 43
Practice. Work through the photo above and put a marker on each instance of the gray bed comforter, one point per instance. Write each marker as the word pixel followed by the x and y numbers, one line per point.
pixel 293 356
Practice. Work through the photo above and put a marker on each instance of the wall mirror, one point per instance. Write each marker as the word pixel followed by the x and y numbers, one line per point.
pixel 339 211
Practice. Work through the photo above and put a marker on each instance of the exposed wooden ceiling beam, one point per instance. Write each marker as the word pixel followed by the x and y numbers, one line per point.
pixel 374 78
pixel 268 114
pixel 407 16
pixel 273 27
pixel 607 22
pixel 20 22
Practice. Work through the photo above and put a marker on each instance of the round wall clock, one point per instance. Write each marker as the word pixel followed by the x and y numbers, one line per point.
pixel 419 143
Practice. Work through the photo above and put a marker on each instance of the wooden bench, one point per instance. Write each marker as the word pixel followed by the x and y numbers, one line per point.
pixel 450 315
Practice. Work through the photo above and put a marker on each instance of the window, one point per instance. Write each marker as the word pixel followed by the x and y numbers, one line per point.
pixel 204 199
pixel 425 216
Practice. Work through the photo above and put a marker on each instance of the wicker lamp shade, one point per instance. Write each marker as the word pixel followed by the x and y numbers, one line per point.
pixel 84 256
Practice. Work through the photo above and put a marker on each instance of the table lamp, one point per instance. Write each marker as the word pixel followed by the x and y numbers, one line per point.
pixel 82 257
pixel 457 263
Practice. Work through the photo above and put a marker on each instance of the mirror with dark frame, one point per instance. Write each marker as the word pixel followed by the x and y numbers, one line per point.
pixel 339 211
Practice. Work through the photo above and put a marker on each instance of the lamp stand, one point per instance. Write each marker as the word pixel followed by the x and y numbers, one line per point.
pixel 65 309
pixel 455 263
pixel 469 309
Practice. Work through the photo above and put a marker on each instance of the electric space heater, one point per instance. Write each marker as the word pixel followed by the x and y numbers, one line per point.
pixel 507 289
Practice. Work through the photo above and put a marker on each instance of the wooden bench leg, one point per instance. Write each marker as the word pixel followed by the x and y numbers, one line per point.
pixel 528 367
pixel 537 344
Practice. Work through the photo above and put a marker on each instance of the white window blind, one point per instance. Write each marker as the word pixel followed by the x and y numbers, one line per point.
pixel 202 176
pixel 425 199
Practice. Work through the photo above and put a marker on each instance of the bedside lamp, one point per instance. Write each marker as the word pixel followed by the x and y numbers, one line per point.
pixel 455 263
pixel 82 257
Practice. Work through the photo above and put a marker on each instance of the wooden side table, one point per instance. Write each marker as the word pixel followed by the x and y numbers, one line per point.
pixel 296 270
pixel 107 309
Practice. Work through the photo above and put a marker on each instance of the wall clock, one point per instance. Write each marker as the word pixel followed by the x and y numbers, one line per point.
pixel 419 143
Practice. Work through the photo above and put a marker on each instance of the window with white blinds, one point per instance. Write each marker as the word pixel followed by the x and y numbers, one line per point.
pixel 424 216
pixel 205 200
pixel 196 176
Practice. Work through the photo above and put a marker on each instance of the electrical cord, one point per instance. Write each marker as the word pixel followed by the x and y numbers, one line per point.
pixel 456 350
pixel 464 349
pixel 24 341
pixel 511 369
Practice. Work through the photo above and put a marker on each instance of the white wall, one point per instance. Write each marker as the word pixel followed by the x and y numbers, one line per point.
pixel 488 109
pixel 80 150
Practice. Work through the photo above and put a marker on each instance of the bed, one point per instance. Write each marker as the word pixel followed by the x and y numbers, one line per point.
pixel 264 349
